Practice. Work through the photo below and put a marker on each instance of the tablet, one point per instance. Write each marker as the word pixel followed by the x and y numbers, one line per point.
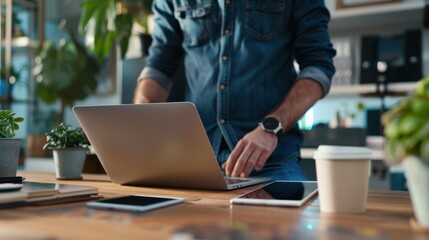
pixel 279 193
pixel 135 203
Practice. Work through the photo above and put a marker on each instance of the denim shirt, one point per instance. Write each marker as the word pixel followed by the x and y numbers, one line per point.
pixel 239 58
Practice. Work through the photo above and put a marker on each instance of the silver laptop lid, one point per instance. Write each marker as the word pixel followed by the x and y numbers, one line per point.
pixel 157 144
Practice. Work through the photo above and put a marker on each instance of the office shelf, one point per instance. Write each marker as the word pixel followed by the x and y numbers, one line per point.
pixel 362 89
pixel 21 34
pixel 408 12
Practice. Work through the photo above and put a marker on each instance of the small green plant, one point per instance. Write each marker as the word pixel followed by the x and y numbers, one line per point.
pixel 9 123
pixel 407 126
pixel 63 136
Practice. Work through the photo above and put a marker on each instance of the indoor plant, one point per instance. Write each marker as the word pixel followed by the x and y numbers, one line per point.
pixel 113 20
pixel 69 148
pixel 407 142
pixel 67 73
pixel 9 154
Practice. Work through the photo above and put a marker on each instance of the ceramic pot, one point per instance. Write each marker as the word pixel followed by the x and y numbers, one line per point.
pixel 69 162
pixel 417 174
pixel 9 156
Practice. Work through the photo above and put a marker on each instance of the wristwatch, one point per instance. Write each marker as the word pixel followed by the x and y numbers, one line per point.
pixel 272 125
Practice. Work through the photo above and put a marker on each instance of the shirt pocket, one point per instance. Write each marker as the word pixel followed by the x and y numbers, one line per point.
pixel 264 18
pixel 194 17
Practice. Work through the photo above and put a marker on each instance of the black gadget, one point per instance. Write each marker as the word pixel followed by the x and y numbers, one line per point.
pixel 272 125
pixel 17 179
pixel 135 203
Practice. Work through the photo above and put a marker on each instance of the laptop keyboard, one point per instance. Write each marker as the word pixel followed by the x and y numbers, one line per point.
pixel 234 180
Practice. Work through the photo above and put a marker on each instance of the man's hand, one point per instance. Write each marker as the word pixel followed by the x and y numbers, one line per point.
pixel 251 152
pixel 149 90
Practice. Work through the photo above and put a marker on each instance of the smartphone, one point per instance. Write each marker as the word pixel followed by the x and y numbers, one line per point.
pixel 135 203
pixel 280 193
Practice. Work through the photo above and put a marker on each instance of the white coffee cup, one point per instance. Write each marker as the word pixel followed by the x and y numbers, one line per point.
pixel 343 178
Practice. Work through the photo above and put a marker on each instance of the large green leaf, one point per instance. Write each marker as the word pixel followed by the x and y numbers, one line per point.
pixel 56 67
pixel 98 27
pixel 67 73
pixel 124 24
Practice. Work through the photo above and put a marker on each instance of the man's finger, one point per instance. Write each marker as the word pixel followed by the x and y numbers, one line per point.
pixel 241 161
pixel 251 162
pixel 260 163
pixel 232 159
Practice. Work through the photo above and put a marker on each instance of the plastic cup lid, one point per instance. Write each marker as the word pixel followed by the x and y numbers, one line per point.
pixel 327 152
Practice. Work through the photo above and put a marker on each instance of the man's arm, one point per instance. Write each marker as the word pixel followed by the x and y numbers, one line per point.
pixel 149 90
pixel 165 51
pixel 314 53
pixel 253 150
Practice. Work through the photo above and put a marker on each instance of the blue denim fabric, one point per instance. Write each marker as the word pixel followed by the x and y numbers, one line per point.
pixel 239 60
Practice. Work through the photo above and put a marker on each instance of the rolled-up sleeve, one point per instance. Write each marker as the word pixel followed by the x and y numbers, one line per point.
pixel 312 46
pixel 160 77
pixel 166 48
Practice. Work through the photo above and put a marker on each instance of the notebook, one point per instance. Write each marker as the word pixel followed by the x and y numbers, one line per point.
pixel 38 191
pixel 155 144
pixel 46 193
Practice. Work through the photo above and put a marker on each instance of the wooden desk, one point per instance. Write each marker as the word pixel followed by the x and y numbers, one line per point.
pixel 205 214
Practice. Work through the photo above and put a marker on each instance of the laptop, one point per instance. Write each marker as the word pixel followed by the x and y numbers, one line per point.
pixel 155 145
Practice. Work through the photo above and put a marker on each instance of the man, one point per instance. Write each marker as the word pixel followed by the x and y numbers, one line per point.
pixel 238 57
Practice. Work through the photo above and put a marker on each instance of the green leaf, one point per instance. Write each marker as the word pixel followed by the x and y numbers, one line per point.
pixel 67 73
pixel 97 23
pixel 422 88
pixel 395 151
pixel 410 123
pixel 420 106
pixel 392 129
pixel 123 24
pixel 8 123
pixel 424 150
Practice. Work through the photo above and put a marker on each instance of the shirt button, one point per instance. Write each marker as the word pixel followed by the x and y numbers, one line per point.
pixel 227 1
pixel 225 58
pixel 222 121
pixel 222 86
pixel 226 32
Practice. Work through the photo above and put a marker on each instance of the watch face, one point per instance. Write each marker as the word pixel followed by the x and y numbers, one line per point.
pixel 270 123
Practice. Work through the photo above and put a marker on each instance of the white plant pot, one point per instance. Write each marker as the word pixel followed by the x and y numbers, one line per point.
pixel 69 162
pixel 417 173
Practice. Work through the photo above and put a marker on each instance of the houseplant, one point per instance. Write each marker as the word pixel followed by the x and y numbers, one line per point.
pixel 112 19
pixel 69 148
pixel 407 142
pixel 9 154
pixel 66 72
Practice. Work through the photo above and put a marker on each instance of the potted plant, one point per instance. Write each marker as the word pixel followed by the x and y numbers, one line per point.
pixel 113 20
pixel 407 142
pixel 66 72
pixel 69 147
pixel 9 154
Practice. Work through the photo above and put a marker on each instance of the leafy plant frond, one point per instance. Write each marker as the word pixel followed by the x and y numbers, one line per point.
pixel 9 123
pixel 63 136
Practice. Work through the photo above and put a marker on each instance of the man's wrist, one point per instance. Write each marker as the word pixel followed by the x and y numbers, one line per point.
pixel 272 125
